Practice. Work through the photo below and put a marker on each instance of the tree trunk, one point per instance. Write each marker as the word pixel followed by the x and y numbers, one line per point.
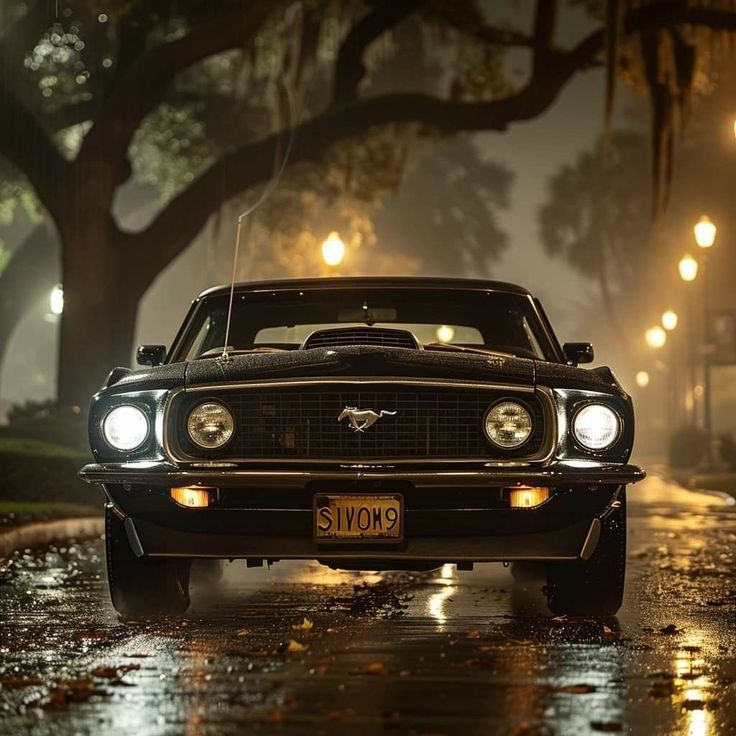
pixel 100 297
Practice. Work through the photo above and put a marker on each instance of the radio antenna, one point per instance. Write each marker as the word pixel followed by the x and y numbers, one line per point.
pixel 265 195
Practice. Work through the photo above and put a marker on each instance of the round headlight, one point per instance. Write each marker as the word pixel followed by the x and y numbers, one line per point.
pixel 508 425
pixel 596 426
pixel 210 425
pixel 125 428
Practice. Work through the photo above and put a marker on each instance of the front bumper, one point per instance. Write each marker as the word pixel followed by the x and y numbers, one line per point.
pixel 168 474
pixel 451 515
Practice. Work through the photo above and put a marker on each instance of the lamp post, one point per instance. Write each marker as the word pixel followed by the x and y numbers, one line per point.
pixel 688 268
pixel 669 320
pixel 705 235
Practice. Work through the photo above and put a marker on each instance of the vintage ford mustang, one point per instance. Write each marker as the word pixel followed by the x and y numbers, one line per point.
pixel 368 423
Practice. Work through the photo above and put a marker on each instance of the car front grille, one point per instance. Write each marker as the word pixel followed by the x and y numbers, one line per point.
pixel 426 422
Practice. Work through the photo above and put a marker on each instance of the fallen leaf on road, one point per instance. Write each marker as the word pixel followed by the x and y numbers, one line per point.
pixel 670 630
pixel 108 672
pixel 71 691
pixel 578 689
pixel 305 625
pixel 374 668
pixel 607 726
pixel 474 634
pixel 295 646
pixel 16 683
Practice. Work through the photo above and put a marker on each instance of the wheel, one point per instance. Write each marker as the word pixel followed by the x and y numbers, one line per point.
pixel 593 587
pixel 141 586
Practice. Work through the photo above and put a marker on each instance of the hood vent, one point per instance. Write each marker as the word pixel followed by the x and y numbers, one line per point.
pixel 378 336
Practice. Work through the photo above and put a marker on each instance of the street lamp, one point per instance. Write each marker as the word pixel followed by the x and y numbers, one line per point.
pixel 655 337
pixel 669 320
pixel 705 235
pixel 642 379
pixel 688 268
pixel 333 249
pixel 56 300
pixel 705 232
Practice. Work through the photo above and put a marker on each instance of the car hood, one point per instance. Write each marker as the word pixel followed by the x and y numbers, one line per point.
pixel 369 361
pixel 362 361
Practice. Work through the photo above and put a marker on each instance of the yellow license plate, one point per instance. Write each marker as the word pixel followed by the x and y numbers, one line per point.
pixel 358 517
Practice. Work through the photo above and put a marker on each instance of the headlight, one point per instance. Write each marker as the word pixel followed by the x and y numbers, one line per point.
pixel 125 428
pixel 210 425
pixel 596 426
pixel 508 425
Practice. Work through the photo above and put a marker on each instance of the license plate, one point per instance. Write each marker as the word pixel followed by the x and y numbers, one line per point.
pixel 358 517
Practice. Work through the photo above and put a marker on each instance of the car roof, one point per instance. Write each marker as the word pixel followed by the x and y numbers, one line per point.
pixel 351 282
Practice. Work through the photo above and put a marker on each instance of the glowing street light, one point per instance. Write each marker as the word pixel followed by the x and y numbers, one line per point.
pixel 670 320
pixel 705 232
pixel 333 250
pixel 655 337
pixel 445 333
pixel 642 379
pixel 56 300
pixel 688 267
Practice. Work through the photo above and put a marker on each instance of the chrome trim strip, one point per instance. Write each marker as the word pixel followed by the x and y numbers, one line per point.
pixel 549 411
pixel 407 381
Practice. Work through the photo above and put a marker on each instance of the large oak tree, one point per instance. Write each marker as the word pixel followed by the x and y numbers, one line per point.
pixel 141 52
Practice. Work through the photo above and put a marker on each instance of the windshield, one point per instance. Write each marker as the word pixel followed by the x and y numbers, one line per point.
pixel 440 319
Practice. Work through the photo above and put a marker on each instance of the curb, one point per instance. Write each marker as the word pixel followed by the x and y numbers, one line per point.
pixel 44 533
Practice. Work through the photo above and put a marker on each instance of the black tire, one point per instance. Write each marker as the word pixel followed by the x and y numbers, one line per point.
pixel 593 587
pixel 139 586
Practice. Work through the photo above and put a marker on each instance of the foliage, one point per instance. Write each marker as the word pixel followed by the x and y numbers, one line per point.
pixel 596 216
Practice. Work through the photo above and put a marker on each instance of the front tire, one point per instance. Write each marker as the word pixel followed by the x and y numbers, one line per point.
pixel 139 586
pixel 593 587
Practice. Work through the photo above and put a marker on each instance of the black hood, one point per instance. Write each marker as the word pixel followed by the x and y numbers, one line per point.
pixel 369 361
pixel 362 361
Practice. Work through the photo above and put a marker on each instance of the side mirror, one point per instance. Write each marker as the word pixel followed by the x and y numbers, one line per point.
pixel 150 354
pixel 577 353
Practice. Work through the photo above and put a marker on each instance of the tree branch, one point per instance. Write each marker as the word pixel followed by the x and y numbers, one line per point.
pixel 253 164
pixel 350 69
pixel 25 144
pixel 143 85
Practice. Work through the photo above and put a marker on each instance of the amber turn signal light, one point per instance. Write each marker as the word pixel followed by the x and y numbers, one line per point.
pixel 194 497
pixel 526 497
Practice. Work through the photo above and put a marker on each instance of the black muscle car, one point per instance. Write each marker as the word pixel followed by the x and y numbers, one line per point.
pixel 368 423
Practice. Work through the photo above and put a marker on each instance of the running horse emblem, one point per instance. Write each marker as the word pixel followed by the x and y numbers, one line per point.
pixel 362 419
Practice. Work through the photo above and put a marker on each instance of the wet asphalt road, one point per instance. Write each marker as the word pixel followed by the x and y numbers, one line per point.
pixel 436 653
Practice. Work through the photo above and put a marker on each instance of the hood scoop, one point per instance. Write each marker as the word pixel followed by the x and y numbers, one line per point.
pixel 374 336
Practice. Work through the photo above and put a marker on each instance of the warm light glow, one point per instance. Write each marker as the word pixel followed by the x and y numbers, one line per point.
pixel 436 602
pixel 191 496
pixel 333 249
pixel 705 232
pixel 526 497
pixel 445 333
pixel 56 300
pixel 698 390
pixel 642 379
pixel 655 336
pixel 688 268
pixel 669 320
